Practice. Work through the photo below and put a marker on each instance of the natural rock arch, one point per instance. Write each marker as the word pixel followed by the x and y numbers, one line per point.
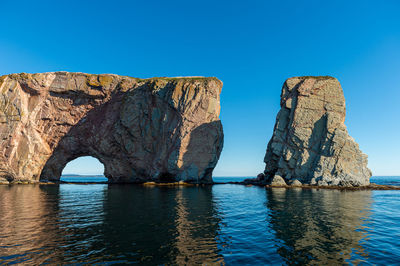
pixel 139 129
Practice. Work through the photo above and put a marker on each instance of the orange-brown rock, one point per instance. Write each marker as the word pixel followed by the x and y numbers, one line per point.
pixel 140 129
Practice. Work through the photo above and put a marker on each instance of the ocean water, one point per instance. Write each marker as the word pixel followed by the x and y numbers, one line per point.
pixel 220 224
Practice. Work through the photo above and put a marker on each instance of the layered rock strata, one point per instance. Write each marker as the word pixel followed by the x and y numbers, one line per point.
pixel 310 143
pixel 158 129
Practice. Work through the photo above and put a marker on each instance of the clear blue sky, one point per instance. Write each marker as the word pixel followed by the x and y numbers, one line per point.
pixel 252 46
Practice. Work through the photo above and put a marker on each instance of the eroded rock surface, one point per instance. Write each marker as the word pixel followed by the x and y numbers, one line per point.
pixel 141 129
pixel 310 142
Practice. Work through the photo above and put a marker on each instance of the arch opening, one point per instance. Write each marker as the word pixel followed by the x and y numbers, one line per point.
pixel 83 169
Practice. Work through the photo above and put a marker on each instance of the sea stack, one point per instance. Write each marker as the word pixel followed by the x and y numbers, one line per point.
pixel 158 129
pixel 310 143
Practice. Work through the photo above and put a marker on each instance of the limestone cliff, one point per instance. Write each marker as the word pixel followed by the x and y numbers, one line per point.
pixel 310 143
pixel 140 129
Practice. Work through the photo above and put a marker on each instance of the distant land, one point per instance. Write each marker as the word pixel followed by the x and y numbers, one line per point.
pixel 75 175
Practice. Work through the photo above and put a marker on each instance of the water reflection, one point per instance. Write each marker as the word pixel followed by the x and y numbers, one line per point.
pixel 27 223
pixel 319 226
pixel 196 226
pixel 161 225
pixel 232 224
pixel 101 223
pixel 80 219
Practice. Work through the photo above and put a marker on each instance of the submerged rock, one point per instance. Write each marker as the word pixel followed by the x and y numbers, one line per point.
pixel 310 142
pixel 163 129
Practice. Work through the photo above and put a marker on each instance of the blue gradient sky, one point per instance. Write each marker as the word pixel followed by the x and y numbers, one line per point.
pixel 252 46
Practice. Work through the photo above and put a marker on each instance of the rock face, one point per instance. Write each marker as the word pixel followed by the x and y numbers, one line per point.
pixel 163 129
pixel 310 142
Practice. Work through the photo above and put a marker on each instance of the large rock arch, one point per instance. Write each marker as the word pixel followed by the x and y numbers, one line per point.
pixel 139 129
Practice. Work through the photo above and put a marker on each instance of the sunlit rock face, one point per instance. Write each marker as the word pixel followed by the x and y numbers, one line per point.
pixel 141 129
pixel 310 142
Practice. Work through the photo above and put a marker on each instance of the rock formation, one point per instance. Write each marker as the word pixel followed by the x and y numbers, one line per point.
pixel 310 143
pixel 164 129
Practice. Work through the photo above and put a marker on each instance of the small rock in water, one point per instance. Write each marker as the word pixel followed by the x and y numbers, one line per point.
pixel 260 177
pixel 295 183
pixel 4 181
pixel 277 180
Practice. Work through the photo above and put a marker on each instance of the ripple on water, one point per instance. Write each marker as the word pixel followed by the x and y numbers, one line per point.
pixel 229 224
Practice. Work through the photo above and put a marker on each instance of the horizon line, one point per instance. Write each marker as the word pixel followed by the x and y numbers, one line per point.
pixel 218 175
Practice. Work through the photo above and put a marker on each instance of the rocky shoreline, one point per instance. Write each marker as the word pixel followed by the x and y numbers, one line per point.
pixel 371 186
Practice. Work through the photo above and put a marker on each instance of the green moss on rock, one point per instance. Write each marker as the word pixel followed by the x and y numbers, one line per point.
pixel 315 77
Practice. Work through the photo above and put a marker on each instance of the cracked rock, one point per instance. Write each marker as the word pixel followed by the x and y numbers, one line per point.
pixel 310 141
pixel 158 129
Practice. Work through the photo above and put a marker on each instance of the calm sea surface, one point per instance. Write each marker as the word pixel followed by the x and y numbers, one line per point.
pixel 220 224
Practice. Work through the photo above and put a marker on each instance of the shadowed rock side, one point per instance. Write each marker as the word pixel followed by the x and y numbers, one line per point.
pixel 141 130
pixel 310 143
